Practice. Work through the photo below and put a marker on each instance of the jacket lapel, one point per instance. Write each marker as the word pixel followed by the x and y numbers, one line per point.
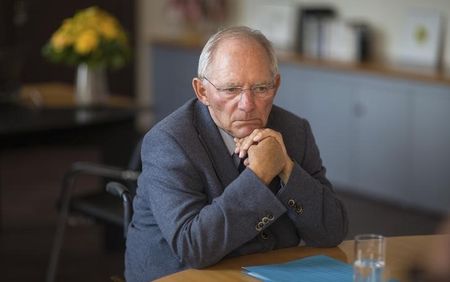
pixel 209 135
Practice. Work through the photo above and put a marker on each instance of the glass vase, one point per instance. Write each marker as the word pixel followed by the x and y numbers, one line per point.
pixel 91 86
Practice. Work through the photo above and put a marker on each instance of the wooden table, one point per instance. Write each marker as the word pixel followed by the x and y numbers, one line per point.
pixel 61 95
pixel 46 113
pixel 402 252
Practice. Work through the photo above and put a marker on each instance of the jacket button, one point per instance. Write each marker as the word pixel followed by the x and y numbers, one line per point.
pixel 291 203
pixel 299 210
pixel 265 220
pixel 264 235
pixel 259 226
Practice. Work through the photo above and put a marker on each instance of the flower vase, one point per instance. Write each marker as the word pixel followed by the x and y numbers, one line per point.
pixel 91 85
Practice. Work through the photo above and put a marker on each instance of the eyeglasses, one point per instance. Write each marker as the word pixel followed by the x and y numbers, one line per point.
pixel 259 90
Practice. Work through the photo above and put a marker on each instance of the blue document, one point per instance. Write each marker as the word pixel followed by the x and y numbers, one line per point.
pixel 311 269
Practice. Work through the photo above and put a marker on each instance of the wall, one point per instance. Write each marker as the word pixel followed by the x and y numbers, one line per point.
pixel 387 17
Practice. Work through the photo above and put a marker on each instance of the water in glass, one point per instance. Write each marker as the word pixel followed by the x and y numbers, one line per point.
pixel 368 271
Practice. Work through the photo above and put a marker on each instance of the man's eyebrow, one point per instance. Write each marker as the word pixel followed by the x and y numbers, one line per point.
pixel 263 83
pixel 236 84
pixel 232 84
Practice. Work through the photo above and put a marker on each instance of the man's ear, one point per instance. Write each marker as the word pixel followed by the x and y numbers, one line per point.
pixel 200 90
pixel 277 82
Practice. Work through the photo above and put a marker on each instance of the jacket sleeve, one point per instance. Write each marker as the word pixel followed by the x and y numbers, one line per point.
pixel 319 216
pixel 200 232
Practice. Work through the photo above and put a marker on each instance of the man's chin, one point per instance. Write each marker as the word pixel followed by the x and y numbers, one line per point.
pixel 243 128
pixel 244 131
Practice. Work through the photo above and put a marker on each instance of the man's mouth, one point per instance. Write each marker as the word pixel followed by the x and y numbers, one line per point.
pixel 252 120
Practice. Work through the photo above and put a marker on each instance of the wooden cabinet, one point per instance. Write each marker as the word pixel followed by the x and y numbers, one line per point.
pixel 385 138
pixel 381 136
pixel 382 145
pixel 326 101
pixel 430 146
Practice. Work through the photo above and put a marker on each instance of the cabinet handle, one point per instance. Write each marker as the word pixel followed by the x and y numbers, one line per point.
pixel 359 109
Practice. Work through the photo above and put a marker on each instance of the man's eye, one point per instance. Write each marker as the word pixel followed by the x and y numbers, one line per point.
pixel 260 89
pixel 232 90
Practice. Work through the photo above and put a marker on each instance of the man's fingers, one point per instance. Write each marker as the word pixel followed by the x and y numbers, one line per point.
pixel 267 132
pixel 243 144
pixel 238 142
pixel 244 148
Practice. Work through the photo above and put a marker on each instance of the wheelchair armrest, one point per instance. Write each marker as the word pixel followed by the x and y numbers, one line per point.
pixel 101 170
pixel 94 169
pixel 119 190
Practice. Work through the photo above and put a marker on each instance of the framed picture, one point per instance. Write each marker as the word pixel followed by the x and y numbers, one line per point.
pixel 277 20
pixel 422 39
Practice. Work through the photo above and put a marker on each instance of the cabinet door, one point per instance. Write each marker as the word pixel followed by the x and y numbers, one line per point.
pixel 431 147
pixel 383 144
pixel 173 70
pixel 324 98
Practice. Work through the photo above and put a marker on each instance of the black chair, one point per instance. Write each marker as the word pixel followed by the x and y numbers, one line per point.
pixel 119 190
pixel 102 206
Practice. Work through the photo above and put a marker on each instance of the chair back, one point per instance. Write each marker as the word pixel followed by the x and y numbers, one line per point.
pixel 135 164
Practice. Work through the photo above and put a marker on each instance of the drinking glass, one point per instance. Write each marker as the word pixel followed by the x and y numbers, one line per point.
pixel 369 261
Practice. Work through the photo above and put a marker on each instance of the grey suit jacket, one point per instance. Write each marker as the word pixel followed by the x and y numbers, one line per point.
pixel 193 208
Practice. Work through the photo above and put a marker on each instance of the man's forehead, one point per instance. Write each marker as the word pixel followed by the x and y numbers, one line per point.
pixel 235 52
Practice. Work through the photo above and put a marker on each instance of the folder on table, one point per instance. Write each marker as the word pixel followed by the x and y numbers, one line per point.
pixel 311 269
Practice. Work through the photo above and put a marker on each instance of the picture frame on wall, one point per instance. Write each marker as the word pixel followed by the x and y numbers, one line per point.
pixel 422 39
pixel 277 21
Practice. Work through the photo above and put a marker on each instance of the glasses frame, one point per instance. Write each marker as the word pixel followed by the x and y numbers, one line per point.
pixel 259 94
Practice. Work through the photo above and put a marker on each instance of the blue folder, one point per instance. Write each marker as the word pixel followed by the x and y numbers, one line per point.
pixel 311 269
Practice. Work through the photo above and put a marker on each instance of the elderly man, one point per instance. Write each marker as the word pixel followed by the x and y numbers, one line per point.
pixel 228 173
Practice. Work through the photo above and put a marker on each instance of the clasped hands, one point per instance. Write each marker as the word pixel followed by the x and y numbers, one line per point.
pixel 265 154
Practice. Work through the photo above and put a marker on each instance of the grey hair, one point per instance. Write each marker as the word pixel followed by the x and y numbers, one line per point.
pixel 208 52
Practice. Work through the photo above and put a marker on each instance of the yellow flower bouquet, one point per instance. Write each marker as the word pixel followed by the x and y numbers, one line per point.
pixel 92 36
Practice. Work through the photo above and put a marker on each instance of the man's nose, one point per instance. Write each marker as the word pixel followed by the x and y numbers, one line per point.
pixel 246 100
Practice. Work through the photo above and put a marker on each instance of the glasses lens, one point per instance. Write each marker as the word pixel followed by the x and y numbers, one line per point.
pixel 260 89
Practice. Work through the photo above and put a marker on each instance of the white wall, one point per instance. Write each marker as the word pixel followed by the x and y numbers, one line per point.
pixel 386 17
